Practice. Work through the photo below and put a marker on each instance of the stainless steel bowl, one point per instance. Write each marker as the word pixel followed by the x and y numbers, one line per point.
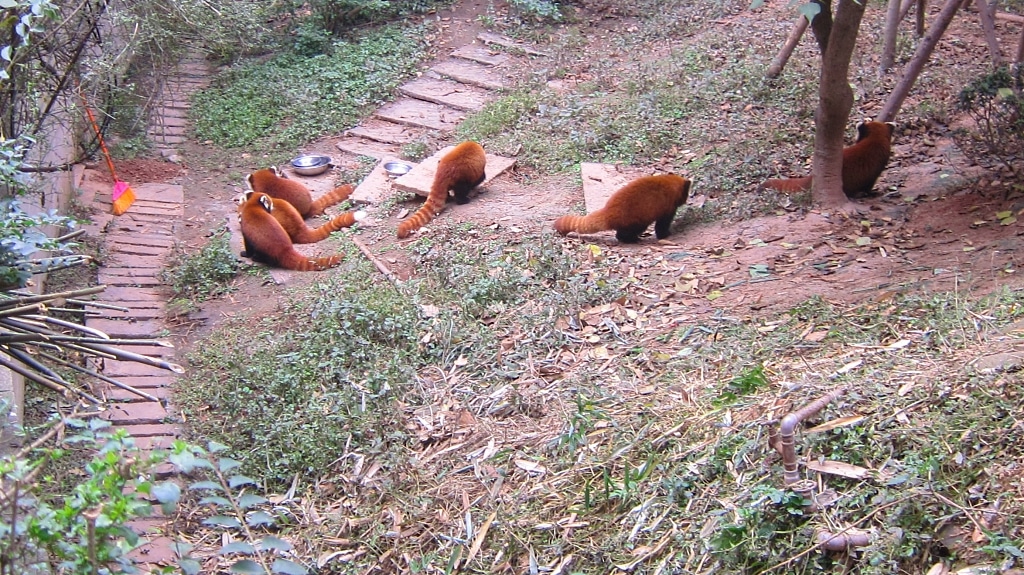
pixel 396 168
pixel 311 164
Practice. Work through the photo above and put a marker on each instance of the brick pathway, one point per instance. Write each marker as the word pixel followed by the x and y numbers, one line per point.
pixel 137 244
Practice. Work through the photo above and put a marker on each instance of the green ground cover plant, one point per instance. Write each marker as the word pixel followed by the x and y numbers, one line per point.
pixel 312 96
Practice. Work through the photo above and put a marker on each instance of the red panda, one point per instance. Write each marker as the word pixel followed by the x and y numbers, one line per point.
pixel 272 182
pixel 460 170
pixel 267 241
pixel 633 208
pixel 863 162
pixel 296 227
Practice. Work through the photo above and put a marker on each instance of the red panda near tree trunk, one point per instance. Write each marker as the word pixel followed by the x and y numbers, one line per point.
pixel 296 227
pixel 634 207
pixel 460 170
pixel 267 241
pixel 863 162
pixel 272 182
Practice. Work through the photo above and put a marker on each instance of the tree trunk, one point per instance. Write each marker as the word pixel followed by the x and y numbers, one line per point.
pixel 913 69
pixel 835 99
pixel 822 24
pixel 892 26
pixel 988 25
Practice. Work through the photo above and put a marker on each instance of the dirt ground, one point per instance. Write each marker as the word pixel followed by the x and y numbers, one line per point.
pixel 940 224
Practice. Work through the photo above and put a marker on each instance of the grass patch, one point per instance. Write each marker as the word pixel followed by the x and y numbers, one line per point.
pixel 207 273
pixel 335 379
pixel 311 96
pixel 555 382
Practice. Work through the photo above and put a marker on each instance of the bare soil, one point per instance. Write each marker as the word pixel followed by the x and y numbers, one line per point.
pixel 935 227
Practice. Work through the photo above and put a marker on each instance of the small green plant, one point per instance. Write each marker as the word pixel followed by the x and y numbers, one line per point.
pixel 538 9
pixel 84 532
pixel 744 384
pixel 205 274
pixel 415 151
pixel 246 515
pixel 582 423
pixel 995 101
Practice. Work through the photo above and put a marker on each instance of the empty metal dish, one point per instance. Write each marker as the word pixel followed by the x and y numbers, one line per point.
pixel 395 168
pixel 311 164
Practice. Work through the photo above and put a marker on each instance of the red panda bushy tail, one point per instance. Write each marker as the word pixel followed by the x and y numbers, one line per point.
pixel 588 224
pixel 789 185
pixel 335 196
pixel 435 202
pixel 293 260
pixel 345 220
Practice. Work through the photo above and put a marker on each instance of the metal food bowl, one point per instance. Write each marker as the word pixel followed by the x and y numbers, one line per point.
pixel 396 168
pixel 311 164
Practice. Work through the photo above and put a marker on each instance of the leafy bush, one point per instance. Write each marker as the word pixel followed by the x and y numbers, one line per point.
pixel 205 274
pixel 85 531
pixel 539 9
pixel 996 104
pixel 337 16
pixel 291 99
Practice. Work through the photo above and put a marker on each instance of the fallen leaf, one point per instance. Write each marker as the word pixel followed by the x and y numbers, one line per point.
pixel 839 468
pixel 835 423
pixel 531 467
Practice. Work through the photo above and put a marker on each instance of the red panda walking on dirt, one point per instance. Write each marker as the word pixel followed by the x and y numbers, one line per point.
pixel 634 207
pixel 296 227
pixel 863 162
pixel 460 170
pixel 267 241
pixel 272 182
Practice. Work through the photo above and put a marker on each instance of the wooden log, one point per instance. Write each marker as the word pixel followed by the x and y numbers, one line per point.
pixel 799 27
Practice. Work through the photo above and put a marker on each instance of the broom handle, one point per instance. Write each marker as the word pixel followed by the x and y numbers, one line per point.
pixel 99 135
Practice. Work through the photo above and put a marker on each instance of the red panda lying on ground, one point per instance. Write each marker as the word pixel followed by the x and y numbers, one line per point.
pixel 267 241
pixel 272 182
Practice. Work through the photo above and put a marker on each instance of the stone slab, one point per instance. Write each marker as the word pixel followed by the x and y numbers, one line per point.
pixel 128 223
pixel 419 180
pixel 600 181
pixel 121 295
pixel 150 429
pixel 128 281
pixel 144 412
pixel 386 132
pixel 413 112
pixel 447 93
pixel 148 383
pixel 136 313
pixel 166 121
pixel 469 72
pixel 509 43
pixel 127 328
pixel 375 187
pixel 118 395
pixel 481 54
pixel 121 259
pixel 364 147
pixel 120 370
pixel 160 192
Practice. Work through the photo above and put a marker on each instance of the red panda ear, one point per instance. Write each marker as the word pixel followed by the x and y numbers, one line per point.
pixel 892 128
pixel 267 202
pixel 248 181
pixel 242 198
pixel 276 171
